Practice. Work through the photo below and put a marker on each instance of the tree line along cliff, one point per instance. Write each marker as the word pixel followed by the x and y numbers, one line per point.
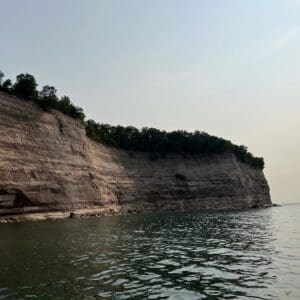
pixel 158 142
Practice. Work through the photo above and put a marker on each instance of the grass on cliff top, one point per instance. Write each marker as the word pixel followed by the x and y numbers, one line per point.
pixel 129 138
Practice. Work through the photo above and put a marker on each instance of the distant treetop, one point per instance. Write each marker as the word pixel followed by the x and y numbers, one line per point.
pixel 128 138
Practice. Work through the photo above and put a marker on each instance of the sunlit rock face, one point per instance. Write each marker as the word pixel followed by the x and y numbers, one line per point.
pixel 48 164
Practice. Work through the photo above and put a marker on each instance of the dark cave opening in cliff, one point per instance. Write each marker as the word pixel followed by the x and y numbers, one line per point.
pixel 14 199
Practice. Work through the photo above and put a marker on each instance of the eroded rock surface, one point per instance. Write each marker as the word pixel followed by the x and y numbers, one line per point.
pixel 48 164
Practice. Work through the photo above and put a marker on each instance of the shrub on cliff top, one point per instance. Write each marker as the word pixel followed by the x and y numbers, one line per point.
pixel 25 87
pixel 6 85
pixel 47 98
pixel 161 142
pixel 130 138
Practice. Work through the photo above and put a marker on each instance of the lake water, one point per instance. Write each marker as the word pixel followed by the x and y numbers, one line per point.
pixel 252 254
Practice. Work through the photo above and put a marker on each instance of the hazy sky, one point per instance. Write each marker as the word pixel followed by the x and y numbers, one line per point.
pixel 231 67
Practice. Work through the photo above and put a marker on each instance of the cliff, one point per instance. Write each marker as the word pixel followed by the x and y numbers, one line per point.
pixel 49 168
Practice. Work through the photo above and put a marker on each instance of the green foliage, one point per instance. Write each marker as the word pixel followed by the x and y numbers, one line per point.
pixel 161 142
pixel 25 87
pixel 180 177
pixel 47 98
pixel 65 105
pixel 156 142
pixel 6 85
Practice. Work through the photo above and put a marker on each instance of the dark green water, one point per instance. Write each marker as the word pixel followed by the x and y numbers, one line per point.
pixel 251 254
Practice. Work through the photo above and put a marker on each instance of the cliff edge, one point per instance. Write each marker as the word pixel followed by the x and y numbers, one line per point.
pixel 49 168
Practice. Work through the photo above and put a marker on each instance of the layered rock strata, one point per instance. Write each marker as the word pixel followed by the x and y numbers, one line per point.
pixel 48 166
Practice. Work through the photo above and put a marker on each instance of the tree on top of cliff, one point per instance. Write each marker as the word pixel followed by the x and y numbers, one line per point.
pixel 67 107
pixel 150 140
pixel 6 84
pixel 25 87
pixel 161 142
pixel 47 98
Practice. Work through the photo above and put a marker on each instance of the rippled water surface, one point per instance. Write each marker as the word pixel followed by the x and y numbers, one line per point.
pixel 238 255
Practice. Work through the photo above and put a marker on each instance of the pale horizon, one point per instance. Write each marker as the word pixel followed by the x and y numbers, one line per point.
pixel 229 68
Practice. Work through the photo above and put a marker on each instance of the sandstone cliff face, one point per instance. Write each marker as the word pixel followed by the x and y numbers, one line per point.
pixel 48 164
